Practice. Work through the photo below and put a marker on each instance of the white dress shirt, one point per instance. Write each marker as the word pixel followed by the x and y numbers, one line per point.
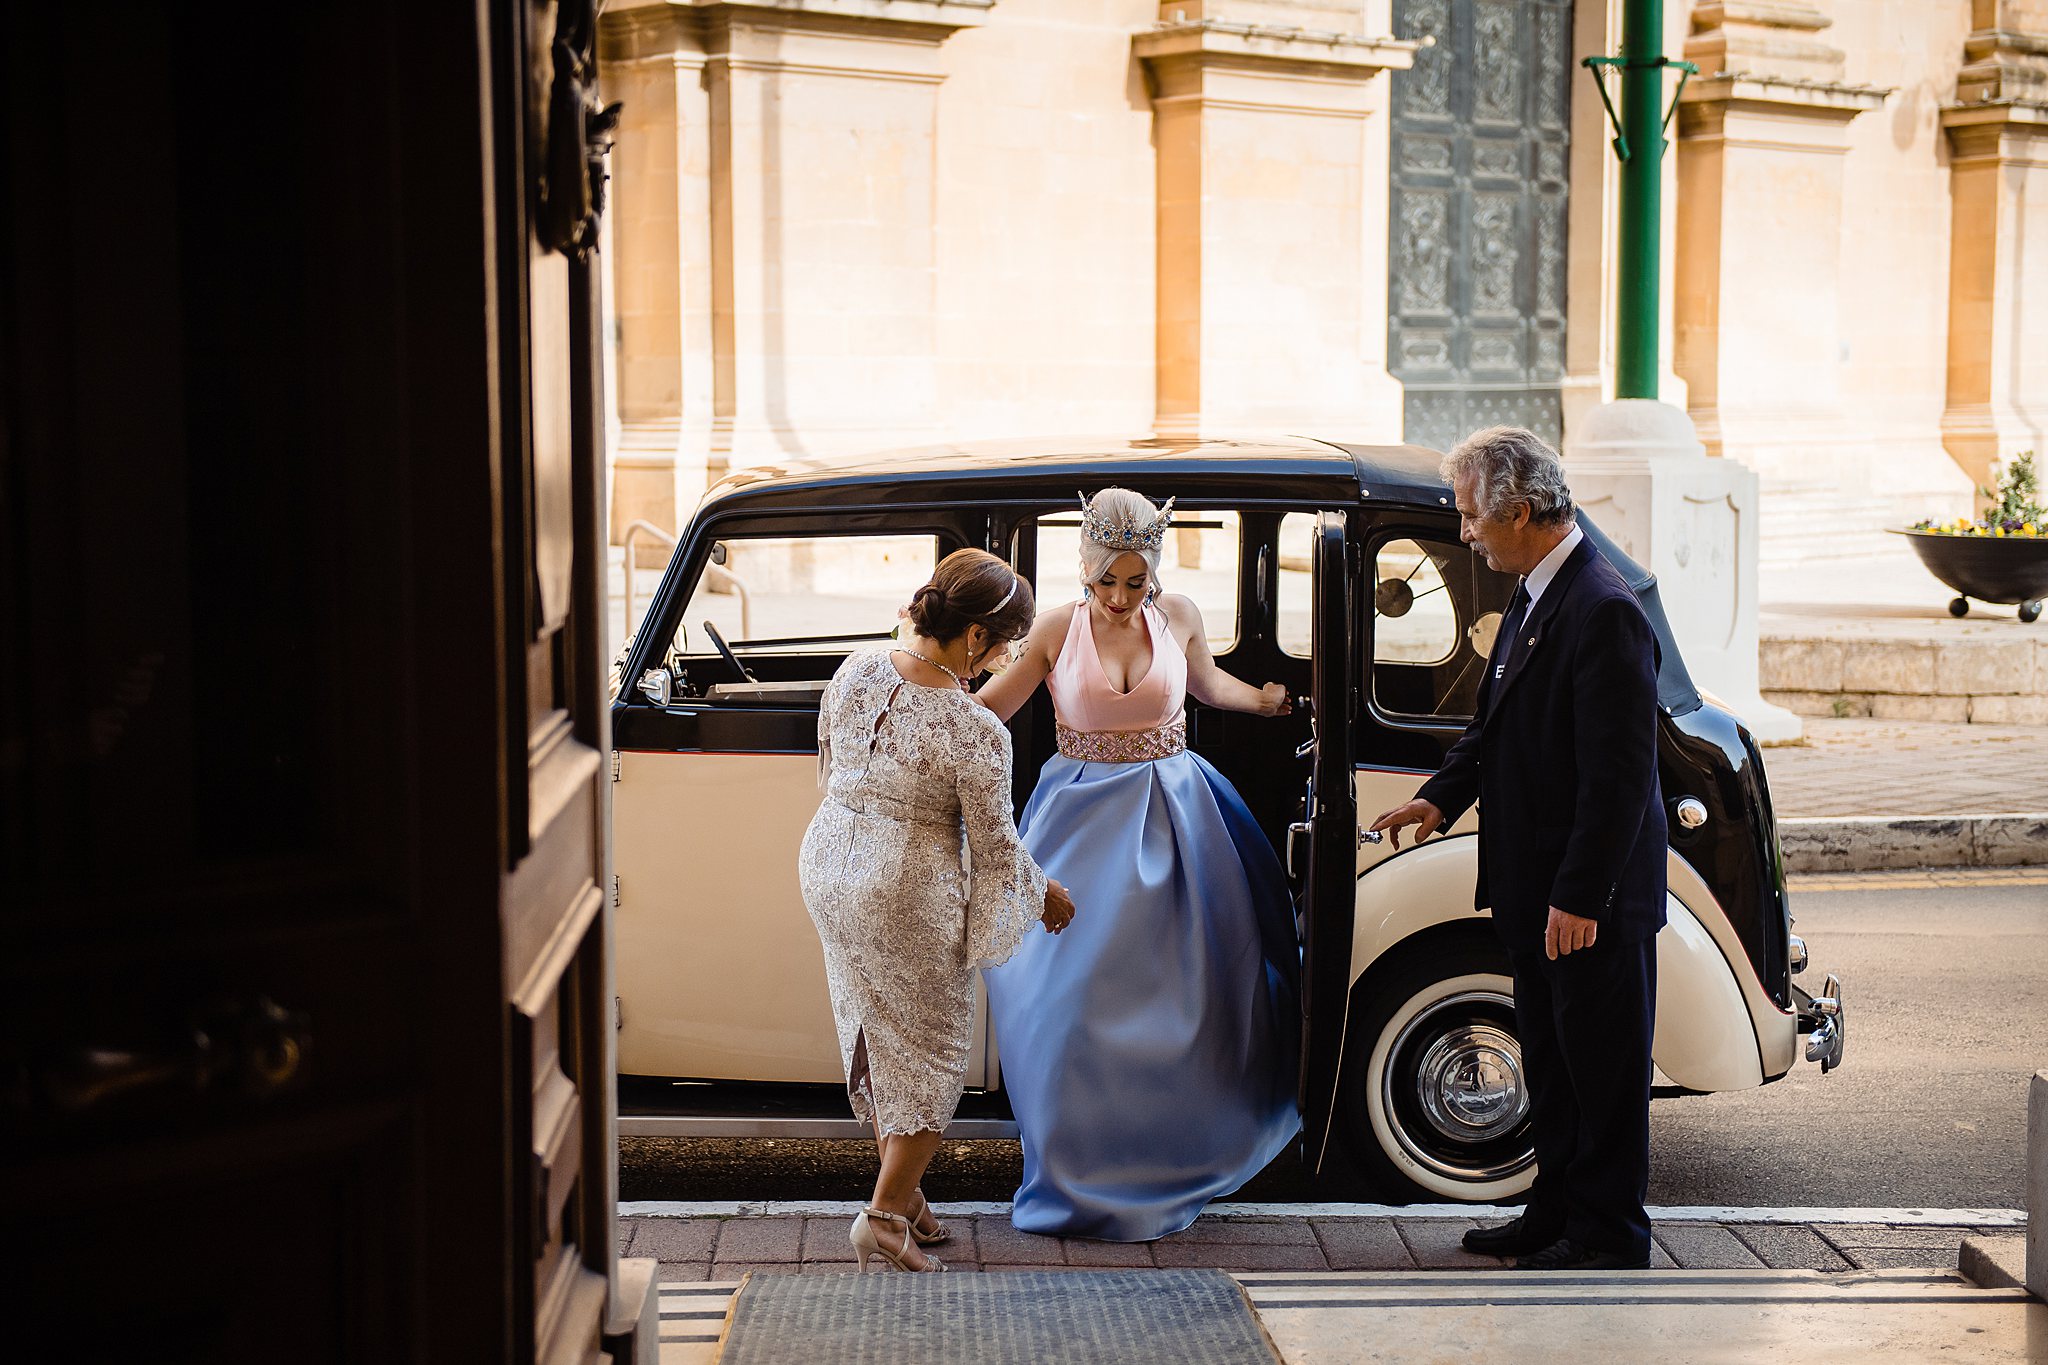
pixel 1540 576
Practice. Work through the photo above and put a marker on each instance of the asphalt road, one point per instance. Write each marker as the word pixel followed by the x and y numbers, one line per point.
pixel 1948 1018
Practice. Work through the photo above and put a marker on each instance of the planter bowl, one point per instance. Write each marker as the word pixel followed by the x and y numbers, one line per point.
pixel 2012 570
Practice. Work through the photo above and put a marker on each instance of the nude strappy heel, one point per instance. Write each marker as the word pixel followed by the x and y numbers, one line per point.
pixel 867 1242
pixel 939 1233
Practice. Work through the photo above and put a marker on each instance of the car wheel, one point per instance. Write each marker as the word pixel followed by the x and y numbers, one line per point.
pixel 1434 1097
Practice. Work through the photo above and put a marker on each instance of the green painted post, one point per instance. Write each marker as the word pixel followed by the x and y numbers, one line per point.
pixel 1642 192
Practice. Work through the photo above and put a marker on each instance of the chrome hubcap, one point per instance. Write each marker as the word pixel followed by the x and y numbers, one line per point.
pixel 1455 1091
pixel 1470 1083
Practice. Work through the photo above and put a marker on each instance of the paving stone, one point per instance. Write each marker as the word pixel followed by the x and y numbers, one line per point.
pixel 1660 1259
pixel 1239 1256
pixel 1705 1246
pixel 1362 1244
pixel 626 1229
pixel 761 1239
pixel 1247 1232
pixel 996 1242
pixel 674 1272
pixel 1081 1251
pixel 1885 1235
pixel 1787 1247
pixel 1002 1269
pixel 1903 1258
pixel 825 1239
pixel 676 1239
pixel 1433 1243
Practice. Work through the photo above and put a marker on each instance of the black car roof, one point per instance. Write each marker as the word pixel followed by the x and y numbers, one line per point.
pixel 1286 468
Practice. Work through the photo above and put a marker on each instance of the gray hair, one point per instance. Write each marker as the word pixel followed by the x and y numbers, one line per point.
pixel 1512 467
pixel 1118 505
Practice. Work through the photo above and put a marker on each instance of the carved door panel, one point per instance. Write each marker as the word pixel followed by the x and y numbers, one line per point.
pixel 304 1010
pixel 556 884
pixel 1476 276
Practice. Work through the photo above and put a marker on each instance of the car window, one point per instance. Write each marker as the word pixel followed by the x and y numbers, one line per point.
pixel 805 595
pixel 1199 560
pixel 1294 598
pixel 1435 609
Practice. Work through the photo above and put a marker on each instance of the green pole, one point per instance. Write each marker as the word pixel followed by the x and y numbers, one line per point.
pixel 1642 191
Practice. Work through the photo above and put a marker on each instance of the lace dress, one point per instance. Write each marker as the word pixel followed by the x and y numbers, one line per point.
pixel 914 875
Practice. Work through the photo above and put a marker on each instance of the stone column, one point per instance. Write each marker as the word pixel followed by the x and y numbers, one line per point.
pixel 1998 260
pixel 1762 136
pixel 779 265
pixel 1272 216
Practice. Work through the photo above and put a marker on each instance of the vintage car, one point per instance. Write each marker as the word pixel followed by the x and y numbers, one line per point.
pixel 1337 570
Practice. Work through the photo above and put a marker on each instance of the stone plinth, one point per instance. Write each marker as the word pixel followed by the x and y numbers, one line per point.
pixel 1638 468
pixel 1272 219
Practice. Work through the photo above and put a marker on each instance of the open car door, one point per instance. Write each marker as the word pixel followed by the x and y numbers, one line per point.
pixel 1332 815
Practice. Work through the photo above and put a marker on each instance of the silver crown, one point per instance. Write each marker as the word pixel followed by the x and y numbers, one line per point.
pixel 1124 533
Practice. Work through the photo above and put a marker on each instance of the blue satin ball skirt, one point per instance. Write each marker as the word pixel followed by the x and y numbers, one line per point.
pixel 1150 1051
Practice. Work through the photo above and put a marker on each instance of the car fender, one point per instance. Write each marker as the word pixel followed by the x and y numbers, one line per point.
pixel 1706 1037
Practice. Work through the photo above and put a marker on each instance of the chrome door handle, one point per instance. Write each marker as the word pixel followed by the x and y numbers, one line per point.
pixel 1298 827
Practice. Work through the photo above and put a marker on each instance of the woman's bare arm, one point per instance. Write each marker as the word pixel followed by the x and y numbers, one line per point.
pixel 1208 683
pixel 1006 693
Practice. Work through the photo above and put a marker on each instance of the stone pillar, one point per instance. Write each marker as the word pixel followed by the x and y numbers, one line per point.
pixel 1998 259
pixel 1272 217
pixel 782 263
pixel 1762 134
pixel 1639 470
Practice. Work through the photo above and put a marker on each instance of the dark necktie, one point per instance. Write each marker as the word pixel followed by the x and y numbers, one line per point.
pixel 1511 630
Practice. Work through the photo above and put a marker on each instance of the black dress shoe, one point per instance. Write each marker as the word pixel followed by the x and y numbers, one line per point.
pixel 1515 1238
pixel 1565 1254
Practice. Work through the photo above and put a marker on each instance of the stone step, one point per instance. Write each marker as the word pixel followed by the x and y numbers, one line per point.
pixel 1799 523
pixel 1988 679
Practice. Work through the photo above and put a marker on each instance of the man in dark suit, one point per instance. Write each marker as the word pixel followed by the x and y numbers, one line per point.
pixel 1562 759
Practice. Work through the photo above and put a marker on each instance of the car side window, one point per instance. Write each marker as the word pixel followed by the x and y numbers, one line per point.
pixel 822 595
pixel 1435 610
pixel 1294 600
pixel 1199 560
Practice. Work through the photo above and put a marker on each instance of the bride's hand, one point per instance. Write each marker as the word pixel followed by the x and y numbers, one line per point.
pixel 1273 700
pixel 1059 907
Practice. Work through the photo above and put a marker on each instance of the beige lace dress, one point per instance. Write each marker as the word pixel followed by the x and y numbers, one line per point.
pixel 914 875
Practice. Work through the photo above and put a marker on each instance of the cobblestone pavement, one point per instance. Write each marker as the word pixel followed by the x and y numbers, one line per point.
pixel 713 1248
pixel 1898 767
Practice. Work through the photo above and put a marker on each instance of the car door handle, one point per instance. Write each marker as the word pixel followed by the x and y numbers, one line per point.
pixel 1298 827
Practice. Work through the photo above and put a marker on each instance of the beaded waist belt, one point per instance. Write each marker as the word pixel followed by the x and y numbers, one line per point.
pixel 1124 746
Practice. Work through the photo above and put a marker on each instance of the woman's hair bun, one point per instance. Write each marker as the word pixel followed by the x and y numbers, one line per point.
pixel 972 587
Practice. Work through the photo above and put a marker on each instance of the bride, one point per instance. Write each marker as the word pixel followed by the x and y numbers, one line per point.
pixel 1150 1051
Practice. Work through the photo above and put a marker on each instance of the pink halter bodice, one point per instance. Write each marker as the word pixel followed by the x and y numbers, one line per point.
pixel 1082 697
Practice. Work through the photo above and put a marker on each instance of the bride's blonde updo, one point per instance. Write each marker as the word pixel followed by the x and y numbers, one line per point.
pixel 1123 508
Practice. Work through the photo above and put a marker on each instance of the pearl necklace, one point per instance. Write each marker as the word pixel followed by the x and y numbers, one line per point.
pixel 960 681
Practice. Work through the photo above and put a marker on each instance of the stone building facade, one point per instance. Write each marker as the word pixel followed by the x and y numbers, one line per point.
pixel 851 224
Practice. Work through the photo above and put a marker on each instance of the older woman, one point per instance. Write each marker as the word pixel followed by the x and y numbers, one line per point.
pixel 913 768
pixel 1149 1054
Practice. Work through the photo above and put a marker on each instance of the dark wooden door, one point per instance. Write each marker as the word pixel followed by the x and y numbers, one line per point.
pixel 302 943
pixel 1476 260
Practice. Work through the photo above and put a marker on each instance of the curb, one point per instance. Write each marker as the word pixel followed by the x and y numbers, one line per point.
pixel 2010 1219
pixel 1866 843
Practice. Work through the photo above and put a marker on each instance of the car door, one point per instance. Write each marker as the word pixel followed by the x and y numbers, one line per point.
pixel 1332 817
pixel 715 779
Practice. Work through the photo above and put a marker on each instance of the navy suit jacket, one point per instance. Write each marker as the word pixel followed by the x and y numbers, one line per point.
pixel 1562 759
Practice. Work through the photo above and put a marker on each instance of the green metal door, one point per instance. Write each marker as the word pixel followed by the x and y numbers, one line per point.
pixel 1476 260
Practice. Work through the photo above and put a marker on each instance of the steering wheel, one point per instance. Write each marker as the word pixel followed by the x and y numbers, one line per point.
pixel 732 660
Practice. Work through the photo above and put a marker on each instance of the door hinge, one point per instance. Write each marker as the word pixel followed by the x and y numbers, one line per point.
pixel 615 765
pixel 615 891
pixel 618 1013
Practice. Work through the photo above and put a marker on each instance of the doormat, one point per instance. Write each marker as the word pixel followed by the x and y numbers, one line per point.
pixel 1077 1317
